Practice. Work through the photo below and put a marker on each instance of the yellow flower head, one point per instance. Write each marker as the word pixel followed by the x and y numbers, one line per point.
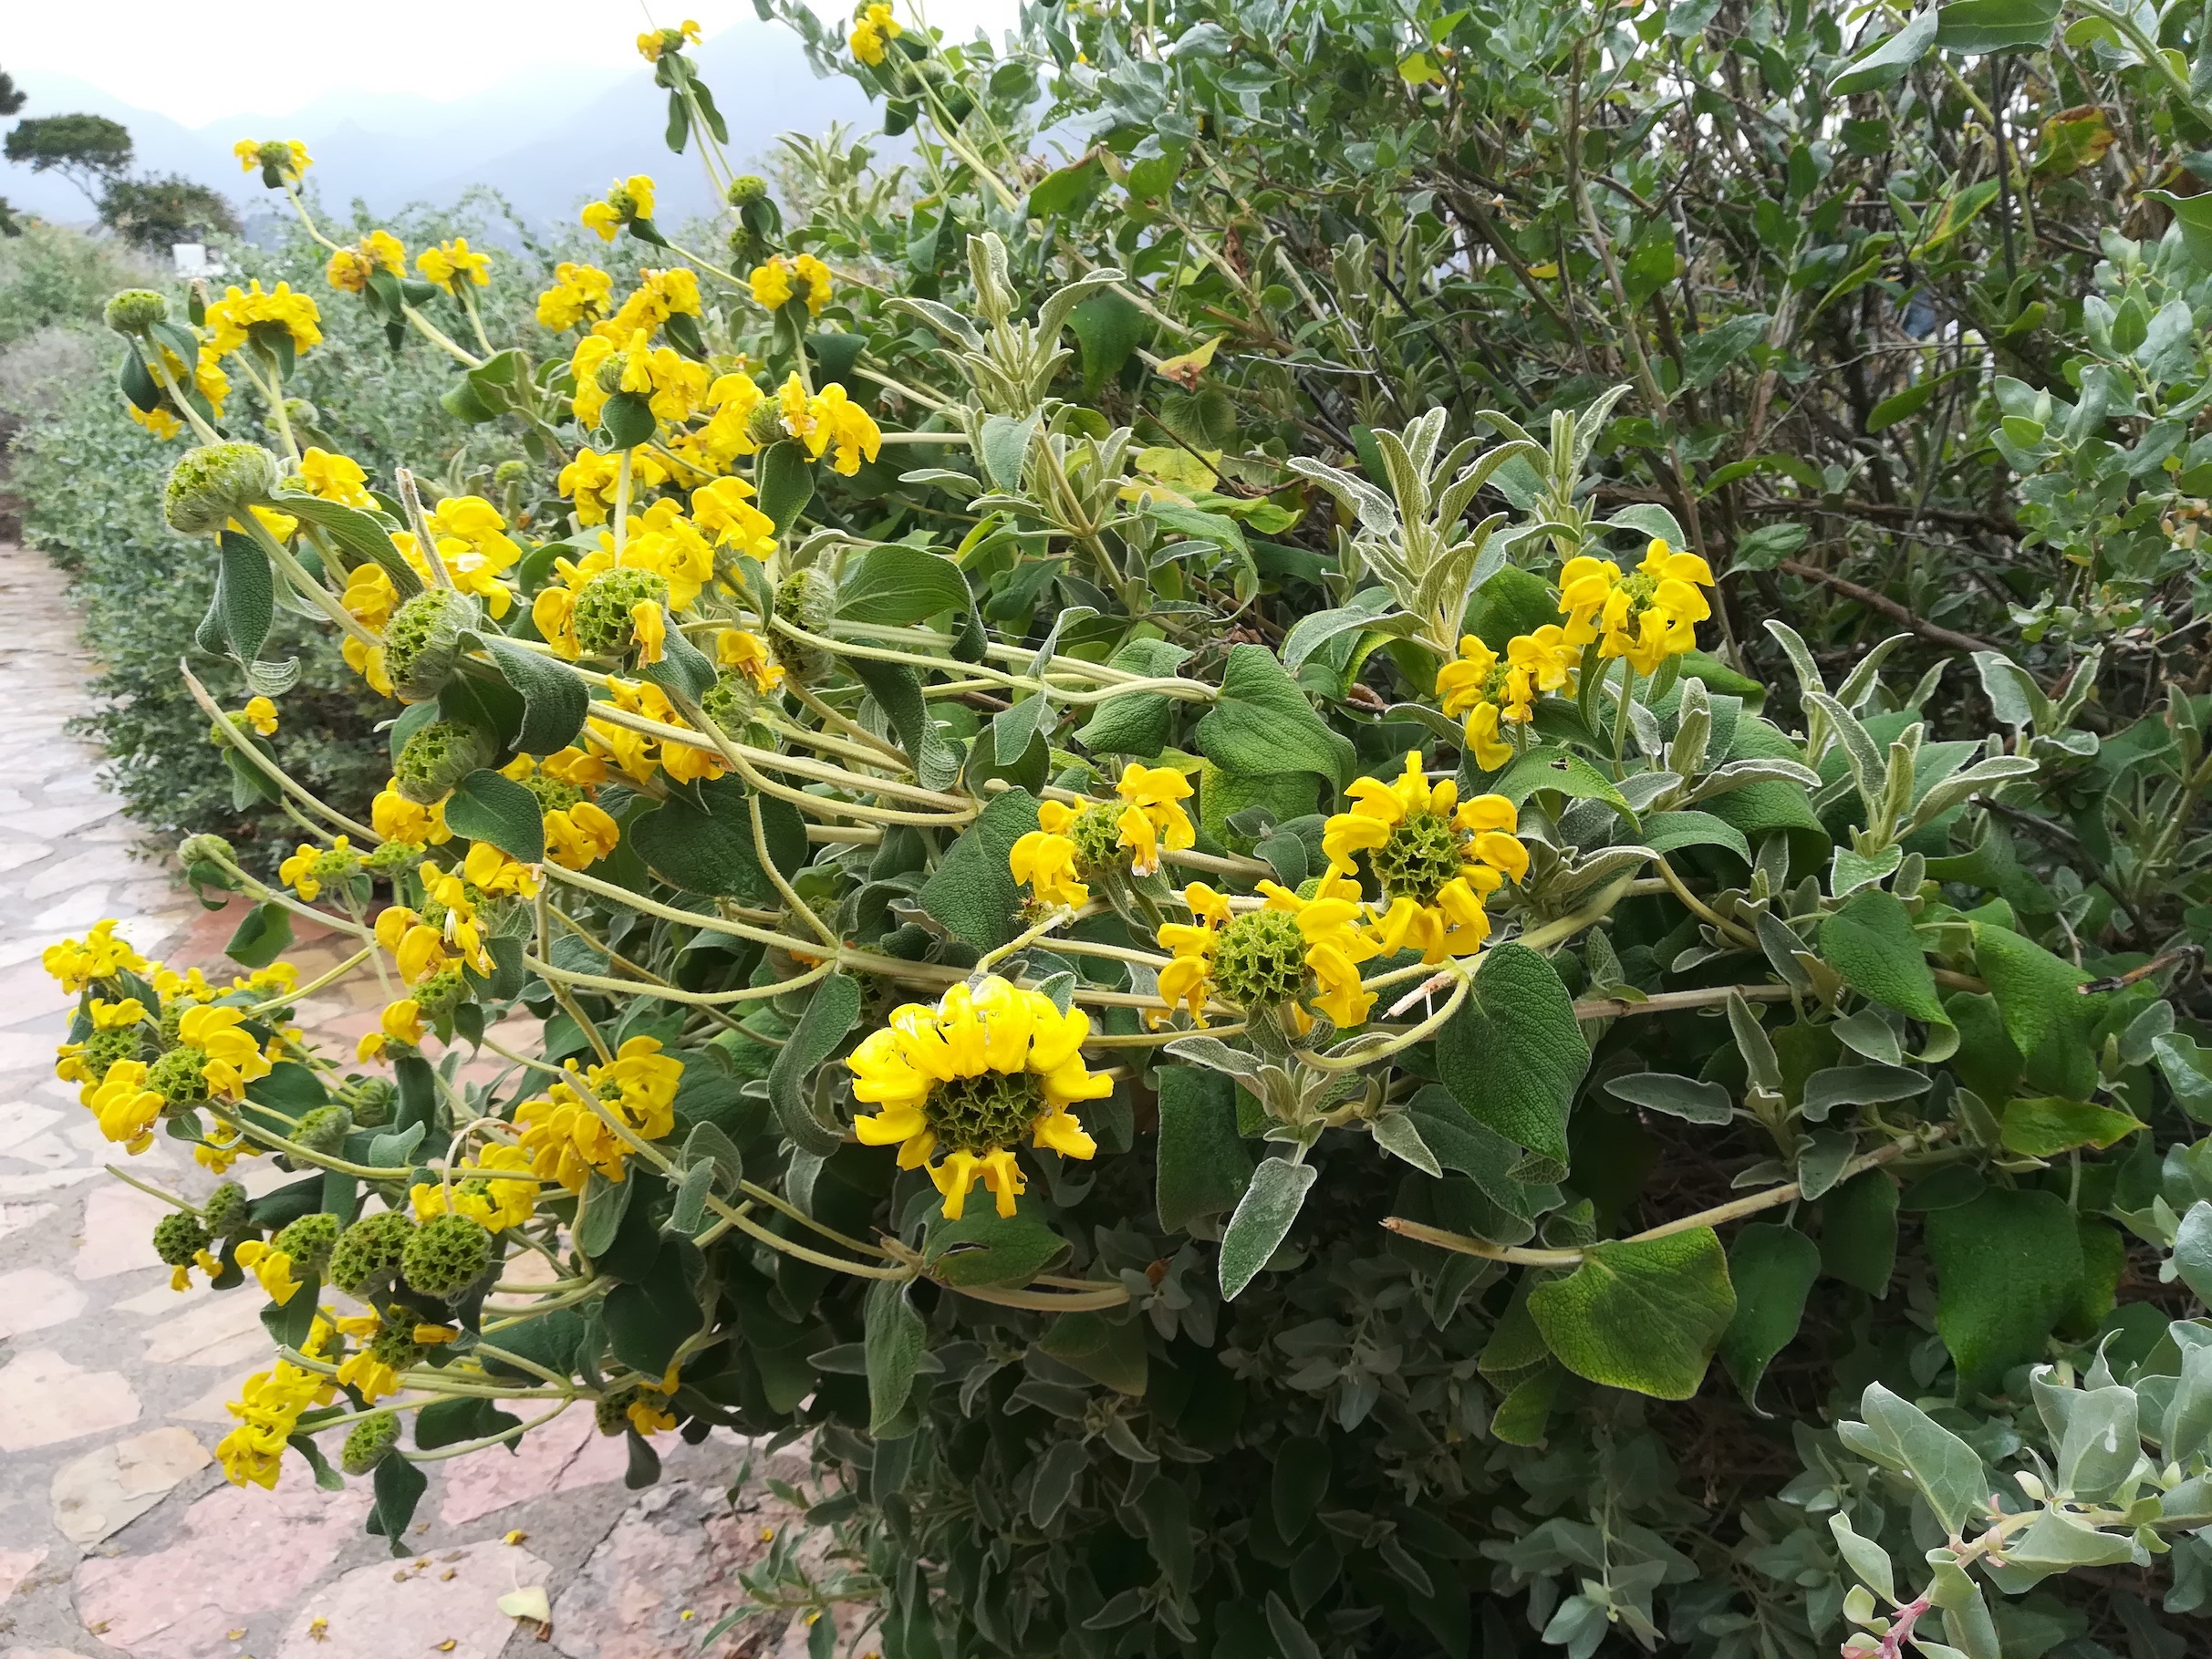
pixel 451 263
pixel 578 835
pixel 1292 952
pixel 268 1412
pixel 874 27
pixel 496 1201
pixel 660 294
pixel 1048 861
pixel 834 419
pixel 99 956
pixel 1492 691
pixel 399 1025
pixel 777 281
pixel 337 478
pixel 272 1267
pixel 967 1078
pixel 1436 858
pixel 234 1055
pixel 125 1107
pixel 723 510
pixel 566 1140
pixel 286 158
pixel 235 317
pixel 579 294
pixel 350 268
pixel 624 203
pixel 739 648
pixel 650 45
pixel 1646 616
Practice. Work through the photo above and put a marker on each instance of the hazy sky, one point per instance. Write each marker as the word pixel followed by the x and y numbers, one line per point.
pixel 160 56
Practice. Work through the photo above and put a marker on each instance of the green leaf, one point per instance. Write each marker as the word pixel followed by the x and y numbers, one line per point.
pixel 1139 722
pixel 648 1319
pixel 627 420
pixel 1003 447
pixel 1203 1165
pixel 2192 1250
pixel 2045 1127
pixel 553 699
pixel 713 852
pixel 972 892
pixel 897 689
pixel 1709 351
pixel 984 1248
pixel 1548 766
pixel 264 933
pixel 245 594
pixel 1105 1350
pixel 1885 64
pixel 1859 1232
pixel 398 1487
pixel 2008 1267
pixel 1772 1269
pixel 486 806
pixel 1513 601
pixel 1065 189
pixel 829 1016
pixel 1644 1316
pixel 1300 1481
pixel 1683 1098
pixel 327 1478
pixel 2186 1066
pixel 1870 942
pixel 1262 1218
pixel 1897 1435
pixel 1108 328
pixel 894 586
pixel 1514 1054
pixel 450 1422
pixel 359 535
pixel 1975 27
pixel 1263 723
pixel 2048 1019
pixel 1665 832
pixel 895 1338
pixel 784 478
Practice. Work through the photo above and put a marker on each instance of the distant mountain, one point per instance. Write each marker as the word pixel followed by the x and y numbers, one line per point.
pixel 549 140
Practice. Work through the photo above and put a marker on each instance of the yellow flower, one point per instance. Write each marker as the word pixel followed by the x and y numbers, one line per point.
pixel 100 956
pixel 401 1023
pixel 450 262
pixel 1646 616
pixel 496 1203
pixel 337 478
pixel 579 294
pixel 234 1055
pixel 289 156
pixel 650 45
pixel 272 1267
pixel 261 714
pixel 350 268
pixel 968 1077
pixel 396 818
pixel 576 835
pixel 126 1108
pixel 1153 816
pixel 724 509
pixel 1488 690
pixel 770 284
pixel 660 294
pixel 297 872
pixel 833 419
pixel 625 203
pixel 648 1413
pixel 268 1412
pixel 74 1061
pixel 1048 861
pixel 736 648
pixel 232 318
pixel 566 1139
pixel 876 25
pixel 1290 952
pixel 1434 858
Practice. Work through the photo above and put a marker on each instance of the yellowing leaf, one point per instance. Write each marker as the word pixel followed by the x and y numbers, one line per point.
pixel 1418 70
pixel 1177 466
pixel 527 1603
pixel 1546 271
pixel 1186 369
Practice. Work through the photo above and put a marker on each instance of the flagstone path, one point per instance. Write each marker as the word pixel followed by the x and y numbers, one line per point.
pixel 119 1534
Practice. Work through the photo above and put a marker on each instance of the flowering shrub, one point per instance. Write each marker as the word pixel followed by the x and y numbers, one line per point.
pixel 1261 1066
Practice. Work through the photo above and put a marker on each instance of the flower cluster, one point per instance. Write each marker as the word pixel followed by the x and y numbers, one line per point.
pixel 627 202
pixel 268 1410
pixel 1293 951
pixel 1074 841
pixel 1646 616
pixel 451 264
pixel 580 296
pixel 1434 858
pixel 350 268
pixel 777 281
pixel 566 1136
pixel 1495 692
pixel 964 1080
pixel 239 315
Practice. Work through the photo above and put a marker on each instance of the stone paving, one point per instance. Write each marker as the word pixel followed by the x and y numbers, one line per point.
pixel 119 1534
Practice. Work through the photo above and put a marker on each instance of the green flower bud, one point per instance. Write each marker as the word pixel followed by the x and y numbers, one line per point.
pixel 179 1076
pixel 510 472
pixel 747 187
pixel 1261 959
pixel 422 639
pixel 375 1101
pixel 610 373
pixel 602 620
pixel 135 310
pixel 309 1241
pixel 553 796
pixel 807 598
pixel 441 993
pixel 610 1411
pixel 446 1255
pixel 368 1250
pixel 179 1238
pixel 437 758
pixel 369 1443
pixel 764 425
pixel 215 483
pixel 325 1129
pixel 227 1210
pixel 102 1050
pixel 730 702
pixel 203 849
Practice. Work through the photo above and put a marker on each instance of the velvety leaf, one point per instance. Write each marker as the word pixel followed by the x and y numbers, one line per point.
pixel 893 584
pixel 829 1016
pixel 1859 1232
pixel 895 1336
pixel 486 806
pixel 1106 1350
pixel 2045 1014
pixel 2045 1127
pixel 1263 1217
pixel 1203 1165
pixel 2008 1266
pixel 972 890
pixel 1263 723
pixel 715 852
pixel 1870 942
pixel 1515 1055
pixel 1644 1316
pixel 1772 1269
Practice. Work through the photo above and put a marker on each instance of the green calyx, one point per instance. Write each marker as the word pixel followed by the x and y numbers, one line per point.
pixel 441 993
pixel 371 1441
pixel 437 758
pixel 369 1251
pixel 983 1114
pixel 135 310
pixel 103 1049
pixel 1097 833
pixel 325 1129
pixel 553 796
pixel 179 1076
pixel 445 1256
pixel 423 639
pixel 610 1411
pixel 179 1238
pixel 1259 960
pixel 372 1100
pixel 603 624
pixel 730 702
pixel 309 1241
pixel 807 598
pixel 1421 855
pixel 227 1210
pixel 394 1346
pixel 215 483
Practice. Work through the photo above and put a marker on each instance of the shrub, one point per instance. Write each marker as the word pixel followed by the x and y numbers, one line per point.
pixel 1648 1145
